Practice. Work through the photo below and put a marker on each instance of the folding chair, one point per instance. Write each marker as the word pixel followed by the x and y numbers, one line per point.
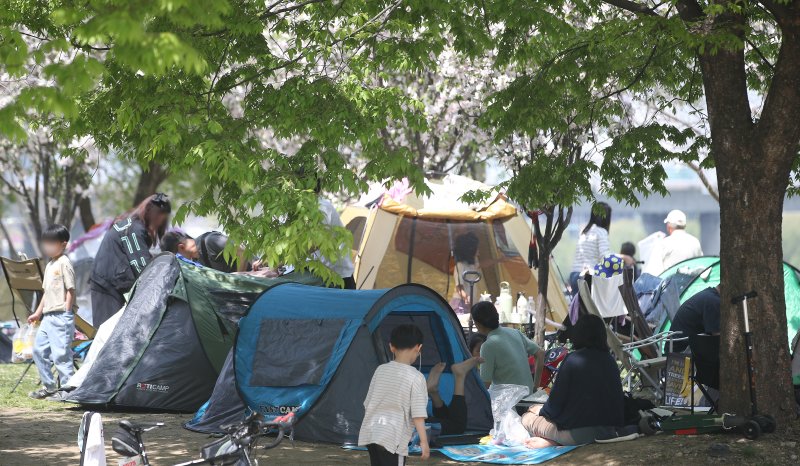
pixel 648 369
pixel 642 332
pixel 24 279
pixel 81 346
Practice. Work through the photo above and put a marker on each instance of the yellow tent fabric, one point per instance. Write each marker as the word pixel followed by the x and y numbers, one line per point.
pixel 497 210
pixel 398 243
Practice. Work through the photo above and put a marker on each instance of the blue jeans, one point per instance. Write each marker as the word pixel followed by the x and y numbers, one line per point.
pixel 573 282
pixel 53 347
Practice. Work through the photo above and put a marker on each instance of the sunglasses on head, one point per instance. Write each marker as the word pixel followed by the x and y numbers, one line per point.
pixel 161 199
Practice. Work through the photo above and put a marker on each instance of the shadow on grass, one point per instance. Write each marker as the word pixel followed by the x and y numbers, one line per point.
pixel 34 432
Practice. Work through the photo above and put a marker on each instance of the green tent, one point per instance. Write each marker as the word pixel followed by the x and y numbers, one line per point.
pixel 706 273
pixel 171 341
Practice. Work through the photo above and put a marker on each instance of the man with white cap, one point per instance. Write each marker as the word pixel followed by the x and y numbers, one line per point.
pixel 677 246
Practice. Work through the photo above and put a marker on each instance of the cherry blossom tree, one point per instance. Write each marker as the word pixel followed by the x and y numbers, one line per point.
pixel 452 96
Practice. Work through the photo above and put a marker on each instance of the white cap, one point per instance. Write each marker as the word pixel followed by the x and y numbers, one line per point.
pixel 677 218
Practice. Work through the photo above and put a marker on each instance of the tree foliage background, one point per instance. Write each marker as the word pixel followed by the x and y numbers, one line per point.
pixel 262 98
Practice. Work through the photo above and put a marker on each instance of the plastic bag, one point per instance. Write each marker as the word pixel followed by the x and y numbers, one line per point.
pixel 23 343
pixel 508 428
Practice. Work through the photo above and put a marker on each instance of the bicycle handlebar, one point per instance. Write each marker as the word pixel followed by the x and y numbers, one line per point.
pixel 282 423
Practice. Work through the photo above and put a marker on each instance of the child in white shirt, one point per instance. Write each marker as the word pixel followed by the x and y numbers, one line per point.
pixel 396 402
pixel 54 337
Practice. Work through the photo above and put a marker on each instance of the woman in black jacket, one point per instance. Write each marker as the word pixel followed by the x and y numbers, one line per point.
pixel 586 402
pixel 124 253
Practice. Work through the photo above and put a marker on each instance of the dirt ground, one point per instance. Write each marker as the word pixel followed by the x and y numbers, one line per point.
pixel 45 433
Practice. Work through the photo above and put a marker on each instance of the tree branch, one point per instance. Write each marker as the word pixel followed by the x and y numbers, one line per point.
pixel 11 252
pixel 636 78
pixel 760 54
pixel 632 7
pixel 269 14
pixel 780 116
pixel 704 179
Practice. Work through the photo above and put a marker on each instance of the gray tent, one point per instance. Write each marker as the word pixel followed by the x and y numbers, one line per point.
pixel 224 407
pixel 171 342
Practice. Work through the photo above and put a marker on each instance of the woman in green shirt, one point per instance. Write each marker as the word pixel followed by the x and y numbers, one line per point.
pixel 505 351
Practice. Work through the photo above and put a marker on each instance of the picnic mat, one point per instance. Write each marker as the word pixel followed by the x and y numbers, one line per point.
pixel 492 454
pixel 496 454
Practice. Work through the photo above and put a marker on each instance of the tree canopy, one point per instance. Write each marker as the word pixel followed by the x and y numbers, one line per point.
pixel 264 98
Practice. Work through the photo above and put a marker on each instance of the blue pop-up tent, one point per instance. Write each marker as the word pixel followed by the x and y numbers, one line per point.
pixel 313 351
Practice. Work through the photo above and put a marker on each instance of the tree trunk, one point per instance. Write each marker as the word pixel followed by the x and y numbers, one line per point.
pixel 753 163
pixel 543 277
pixel 149 181
pixel 85 212
pixel 751 212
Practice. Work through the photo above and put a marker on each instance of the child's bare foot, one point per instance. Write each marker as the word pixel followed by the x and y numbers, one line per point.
pixel 464 367
pixel 433 377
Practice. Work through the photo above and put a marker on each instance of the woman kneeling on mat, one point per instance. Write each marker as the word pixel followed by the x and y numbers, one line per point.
pixel 586 402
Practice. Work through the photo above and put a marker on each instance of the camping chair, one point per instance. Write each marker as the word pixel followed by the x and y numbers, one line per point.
pixel 24 279
pixel 642 332
pixel 648 370
pixel 81 346
pixel 705 365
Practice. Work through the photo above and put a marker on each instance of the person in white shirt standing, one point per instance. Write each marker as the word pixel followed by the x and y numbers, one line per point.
pixel 52 347
pixel 592 244
pixel 344 266
pixel 676 247
pixel 396 403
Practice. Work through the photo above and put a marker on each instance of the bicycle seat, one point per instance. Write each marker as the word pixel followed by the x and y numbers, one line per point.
pixel 134 427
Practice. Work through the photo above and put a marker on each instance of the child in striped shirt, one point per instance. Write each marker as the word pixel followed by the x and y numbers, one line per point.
pixel 396 402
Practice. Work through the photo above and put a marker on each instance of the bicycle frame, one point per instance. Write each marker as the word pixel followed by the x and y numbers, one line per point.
pixel 242 437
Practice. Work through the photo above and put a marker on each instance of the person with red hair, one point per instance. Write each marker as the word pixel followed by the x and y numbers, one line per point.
pixel 124 253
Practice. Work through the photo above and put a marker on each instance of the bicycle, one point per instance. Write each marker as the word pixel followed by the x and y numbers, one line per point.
pixel 235 448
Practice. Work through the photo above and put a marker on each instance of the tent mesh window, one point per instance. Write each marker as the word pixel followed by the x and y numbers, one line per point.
pixel 433 335
pixel 294 352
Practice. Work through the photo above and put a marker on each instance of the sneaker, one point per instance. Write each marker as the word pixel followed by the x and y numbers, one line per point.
pixel 59 395
pixel 41 393
pixel 621 434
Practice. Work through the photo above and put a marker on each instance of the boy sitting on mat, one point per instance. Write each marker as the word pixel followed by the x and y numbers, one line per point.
pixel 55 311
pixel 396 403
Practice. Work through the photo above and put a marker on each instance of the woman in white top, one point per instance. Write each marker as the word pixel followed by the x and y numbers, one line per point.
pixel 592 244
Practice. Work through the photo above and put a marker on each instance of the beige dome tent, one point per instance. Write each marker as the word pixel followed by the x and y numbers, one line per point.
pixel 411 240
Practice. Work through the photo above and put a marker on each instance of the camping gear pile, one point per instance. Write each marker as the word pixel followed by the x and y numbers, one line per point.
pixel 751 425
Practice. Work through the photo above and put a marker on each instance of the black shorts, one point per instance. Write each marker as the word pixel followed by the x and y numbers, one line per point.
pixel 379 456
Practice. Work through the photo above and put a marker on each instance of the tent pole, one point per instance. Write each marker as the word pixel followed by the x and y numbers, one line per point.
pixel 411 248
